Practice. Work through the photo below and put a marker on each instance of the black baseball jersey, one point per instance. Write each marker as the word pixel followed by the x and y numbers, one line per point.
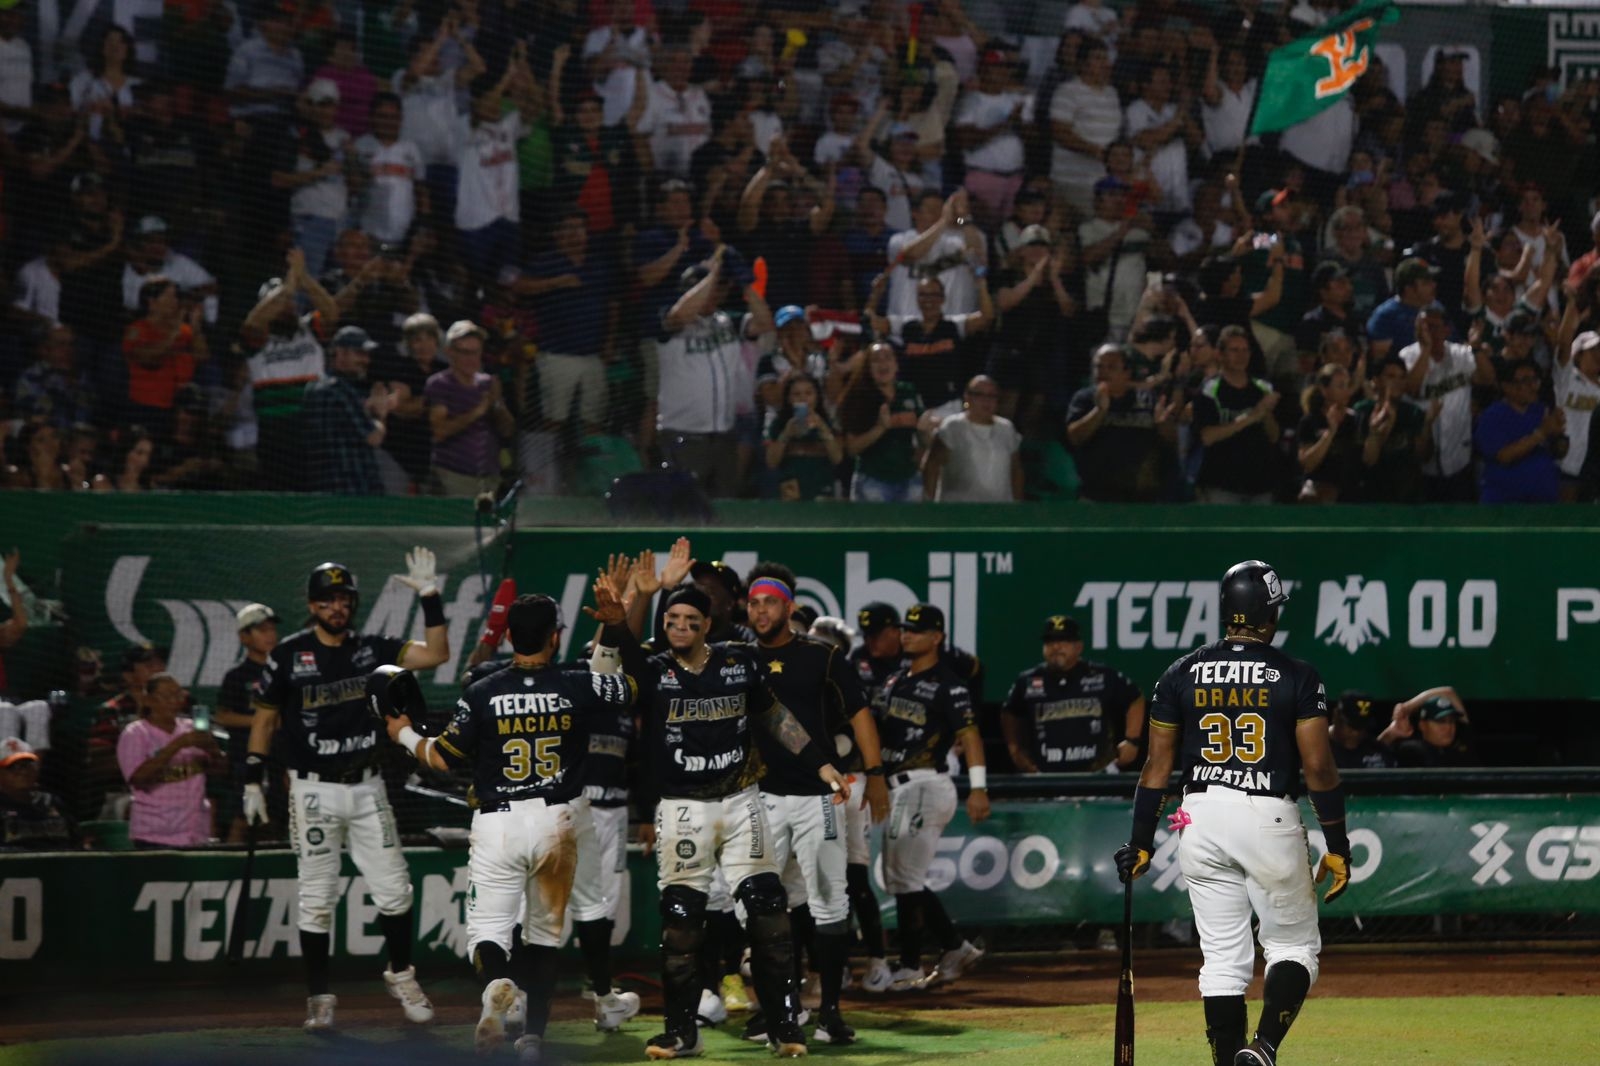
pixel 1236 704
pixel 919 717
pixel 525 732
pixel 697 726
pixel 1076 717
pixel 236 693
pixel 320 694
pixel 1368 754
pixel 875 673
pixel 815 682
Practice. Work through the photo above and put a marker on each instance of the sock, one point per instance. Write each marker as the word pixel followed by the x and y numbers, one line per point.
pixel 910 908
pixel 1282 995
pixel 833 948
pixel 489 960
pixel 397 935
pixel 535 966
pixel 937 921
pixel 864 904
pixel 802 928
pixel 314 949
pixel 594 939
pixel 1225 1023
pixel 733 941
pixel 709 958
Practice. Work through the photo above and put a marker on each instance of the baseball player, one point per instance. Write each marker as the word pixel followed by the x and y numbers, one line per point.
pixel 524 731
pixel 1066 714
pixel 314 691
pixel 700 700
pixel 926 709
pixel 258 633
pixel 1245 718
pixel 815 682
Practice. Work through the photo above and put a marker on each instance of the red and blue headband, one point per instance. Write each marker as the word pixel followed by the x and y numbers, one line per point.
pixel 771 586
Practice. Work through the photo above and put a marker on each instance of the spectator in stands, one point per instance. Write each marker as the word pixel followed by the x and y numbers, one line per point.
pixel 1276 248
pixel 777 223
pixel 1114 243
pixel 54 389
pixel 988 126
pixel 1521 440
pixel 1228 99
pixel 35 459
pixel 165 761
pixel 1329 449
pixel 16 73
pixel 1396 436
pixel 468 417
pixel 796 352
pixel 149 255
pixel 162 348
pixel 1584 265
pixel 130 463
pixel 660 254
pixel 677 117
pixel 357 85
pixel 1206 231
pixel 104 90
pixel 1335 311
pixel 803 449
pixel 344 420
pixel 1577 394
pixel 89 274
pixel 393 174
pixel 235 710
pixel 879 415
pixel 1234 414
pixel 1121 436
pixel 488 199
pixel 1163 129
pixel 891 167
pixel 1447 252
pixel 575 298
pixel 409 439
pixel 266 71
pixel 1442 370
pixel 1354 730
pixel 617 54
pixel 866 244
pixel 1393 324
pixel 16 624
pixel 1427 731
pixel 1085 117
pixel 311 167
pixel 30 819
pixel 372 286
pixel 938 245
pixel 935 349
pixel 976 455
pixel 429 116
pixel 1353 249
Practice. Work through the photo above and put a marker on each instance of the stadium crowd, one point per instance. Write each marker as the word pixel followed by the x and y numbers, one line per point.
pixel 801 250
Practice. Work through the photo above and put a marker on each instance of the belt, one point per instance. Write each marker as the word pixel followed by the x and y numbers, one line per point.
pixel 1191 789
pixel 345 777
pixel 502 806
pixel 905 777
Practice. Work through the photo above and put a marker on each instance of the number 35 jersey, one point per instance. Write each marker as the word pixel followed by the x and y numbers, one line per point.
pixel 524 734
pixel 1236 705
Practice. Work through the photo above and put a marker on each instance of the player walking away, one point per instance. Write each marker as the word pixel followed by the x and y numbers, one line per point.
pixel 1067 714
pixel 314 690
pixel 524 732
pixel 1245 718
pixel 700 700
pixel 818 686
pixel 926 709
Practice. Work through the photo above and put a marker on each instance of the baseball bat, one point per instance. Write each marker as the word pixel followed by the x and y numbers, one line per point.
pixel 1124 1044
pixel 241 910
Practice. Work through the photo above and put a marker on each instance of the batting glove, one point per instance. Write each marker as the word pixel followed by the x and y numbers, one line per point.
pixel 494 630
pixel 1338 867
pixel 421 573
pixel 1132 862
pixel 255 805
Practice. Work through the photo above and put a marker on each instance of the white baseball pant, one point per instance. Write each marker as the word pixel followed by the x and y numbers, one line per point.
pixel 696 837
pixel 602 860
pixel 919 810
pixel 520 869
pixel 323 816
pixel 808 847
pixel 858 824
pixel 1241 853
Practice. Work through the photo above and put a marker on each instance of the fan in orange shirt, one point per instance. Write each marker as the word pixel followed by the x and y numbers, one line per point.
pixel 163 345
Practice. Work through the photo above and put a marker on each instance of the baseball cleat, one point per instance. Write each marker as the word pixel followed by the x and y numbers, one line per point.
pixel 614 1008
pixel 711 1011
pixel 530 1049
pixel 831 1029
pixel 811 994
pixel 735 996
pixel 319 1012
pixel 846 979
pixel 517 1017
pixel 905 979
pixel 1256 1053
pixel 755 1029
pixel 787 1040
pixel 403 986
pixel 671 1045
pixel 955 962
pixel 744 966
pixel 878 977
pixel 499 999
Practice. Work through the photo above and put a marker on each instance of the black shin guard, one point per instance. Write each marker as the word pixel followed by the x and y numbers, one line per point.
pixel 397 936
pixel 594 939
pixel 1225 1024
pixel 936 920
pixel 909 908
pixel 864 905
pixel 833 950
pixel 771 948
pixel 314 949
pixel 490 961
pixel 708 959
pixel 1282 995
pixel 731 939
pixel 683 927
pixel 534 966
pixel 802 930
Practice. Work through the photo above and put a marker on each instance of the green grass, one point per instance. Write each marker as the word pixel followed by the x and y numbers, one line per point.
pixel 1451 1031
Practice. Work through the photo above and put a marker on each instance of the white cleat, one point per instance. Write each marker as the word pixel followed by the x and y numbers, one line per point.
pixel 711 1011
pixel 319 1012
pixel 517 1017
pixel 530 1049
pixel 878 977
pixel 614 1008
pixel 403 986
pixel 906 979
pixel 955 962
pixel 499 999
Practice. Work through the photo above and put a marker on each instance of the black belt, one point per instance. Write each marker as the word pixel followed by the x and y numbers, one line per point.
pixel 502 806
pixel 350 776
pixel 905 778
pixel 1201 786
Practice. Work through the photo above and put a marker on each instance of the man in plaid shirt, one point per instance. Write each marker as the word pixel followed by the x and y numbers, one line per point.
pixel 344 422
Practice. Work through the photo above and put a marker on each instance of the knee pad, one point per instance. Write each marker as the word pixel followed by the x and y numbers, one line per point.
pixel 762 895
pixel 683 920
pixel 1300 957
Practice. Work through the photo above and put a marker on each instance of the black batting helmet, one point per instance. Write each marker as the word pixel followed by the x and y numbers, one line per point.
pixel 393 691
pixel 330 578
pixel 1251 595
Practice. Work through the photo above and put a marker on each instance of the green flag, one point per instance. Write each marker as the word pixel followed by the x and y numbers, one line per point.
pixel 1310 74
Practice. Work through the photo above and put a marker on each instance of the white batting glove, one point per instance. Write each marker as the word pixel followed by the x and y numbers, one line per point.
pixel 255 805
pixel 421 573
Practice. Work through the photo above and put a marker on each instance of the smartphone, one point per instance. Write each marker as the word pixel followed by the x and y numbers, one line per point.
pixel 1152 280
pixel 802 411
pixel 202 719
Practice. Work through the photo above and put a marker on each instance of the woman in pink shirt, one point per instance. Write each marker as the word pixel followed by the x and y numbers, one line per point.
pixel 165 761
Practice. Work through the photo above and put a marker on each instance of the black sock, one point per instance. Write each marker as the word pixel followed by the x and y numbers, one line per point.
pixel 489 960
pixel 535 967
pixel 397 935
pixel 733 941
pixel 314 949
pixel 833 948
pixel 594 939
pixel 1281 998
pixel 1225 1023
pixel 708 959
pixel 802 928
pixel 864 904
pixel 937 921
pixel 910 908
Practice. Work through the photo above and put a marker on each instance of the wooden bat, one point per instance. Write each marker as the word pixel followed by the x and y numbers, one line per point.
pixel 1124 1046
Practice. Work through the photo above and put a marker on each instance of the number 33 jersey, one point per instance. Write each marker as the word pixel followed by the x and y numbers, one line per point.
pixel 1236 705
pixel 523 732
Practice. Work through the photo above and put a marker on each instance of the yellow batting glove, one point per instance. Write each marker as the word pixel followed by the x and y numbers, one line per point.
pixel 1338 867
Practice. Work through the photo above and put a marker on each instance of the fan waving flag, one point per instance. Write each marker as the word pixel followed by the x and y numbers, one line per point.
pixel 1310 74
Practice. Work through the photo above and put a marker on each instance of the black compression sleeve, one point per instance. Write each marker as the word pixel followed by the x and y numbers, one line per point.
pixel 1147 804
pixel 433 610
pixel 1329 807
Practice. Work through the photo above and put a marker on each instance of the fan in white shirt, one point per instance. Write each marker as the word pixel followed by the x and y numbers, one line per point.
pixel 1226 102
pixel 678 117
pixel 936 246
pixel 616 53
pixel 1158 127
pixel 976 455
pixel 394 169
pixel 1577 381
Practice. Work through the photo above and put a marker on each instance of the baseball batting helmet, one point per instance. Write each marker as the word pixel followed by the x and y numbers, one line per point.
pixel 328 579
pixel 393 691
pixel 1251 594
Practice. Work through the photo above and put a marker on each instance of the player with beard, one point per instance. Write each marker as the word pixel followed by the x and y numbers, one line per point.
pixel 880 653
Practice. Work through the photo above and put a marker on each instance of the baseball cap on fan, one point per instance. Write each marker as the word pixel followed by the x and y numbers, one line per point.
pixel 254 614
pixel 1584 341
pixel 1438 709
pixel 14 750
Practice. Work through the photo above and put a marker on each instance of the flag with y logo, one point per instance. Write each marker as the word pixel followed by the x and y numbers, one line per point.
pixel 1310 74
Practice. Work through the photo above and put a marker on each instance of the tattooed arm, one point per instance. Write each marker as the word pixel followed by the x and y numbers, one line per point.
pixel 778 720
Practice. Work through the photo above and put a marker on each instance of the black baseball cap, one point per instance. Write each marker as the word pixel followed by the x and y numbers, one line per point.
pixel 1438 709
pixel 1060 627
pixel 1361 710
pixel 1521 322
pixel 721 570
pixel 1327 271
pixel 924 618
pixel 137 654
pixel 876 617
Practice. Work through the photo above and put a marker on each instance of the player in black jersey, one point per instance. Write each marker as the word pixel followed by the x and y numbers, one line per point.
pixel 1067 714
pixel 313 695
pixel 818 686
pixel 524 732
pixel 700 700
pixel 925 711
pixel 881 653
pixel 1244 719
pixel 258 633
